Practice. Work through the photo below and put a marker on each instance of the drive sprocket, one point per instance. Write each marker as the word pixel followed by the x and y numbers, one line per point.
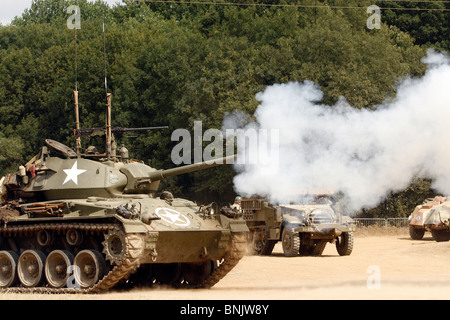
pixel 115 246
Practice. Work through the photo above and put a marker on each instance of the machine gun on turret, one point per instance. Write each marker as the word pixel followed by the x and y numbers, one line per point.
pixel 110 150
pixel 84 132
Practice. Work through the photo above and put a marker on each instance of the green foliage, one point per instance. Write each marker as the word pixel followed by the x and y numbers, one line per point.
pixel 401 204
pixel 171 64
pixel 10 150
pixel 427 27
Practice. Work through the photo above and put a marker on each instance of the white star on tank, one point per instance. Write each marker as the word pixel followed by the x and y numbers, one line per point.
pixel 173 217
pixel 73 173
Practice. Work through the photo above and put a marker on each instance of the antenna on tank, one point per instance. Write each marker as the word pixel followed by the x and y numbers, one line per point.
pixel 75 97
pixel 108 95
pixel 74 22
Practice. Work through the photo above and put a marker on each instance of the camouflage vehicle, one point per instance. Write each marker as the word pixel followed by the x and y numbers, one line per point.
pixel 417 225
pixel 438 222
pixel 303 229
pixel 99 216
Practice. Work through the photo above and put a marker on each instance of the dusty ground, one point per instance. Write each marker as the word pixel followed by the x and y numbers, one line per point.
pixel 380 267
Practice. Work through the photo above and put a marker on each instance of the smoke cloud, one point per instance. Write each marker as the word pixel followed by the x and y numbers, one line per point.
pixel 363 153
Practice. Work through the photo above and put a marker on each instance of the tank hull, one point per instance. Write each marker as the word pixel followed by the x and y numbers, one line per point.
pixel 178 244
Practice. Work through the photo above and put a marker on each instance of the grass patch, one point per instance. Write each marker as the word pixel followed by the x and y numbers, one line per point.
pixel 371 231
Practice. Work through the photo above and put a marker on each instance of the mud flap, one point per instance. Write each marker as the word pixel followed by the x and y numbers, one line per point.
pixel 235 225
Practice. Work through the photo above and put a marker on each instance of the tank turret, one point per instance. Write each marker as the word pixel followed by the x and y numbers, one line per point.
pixel 50 177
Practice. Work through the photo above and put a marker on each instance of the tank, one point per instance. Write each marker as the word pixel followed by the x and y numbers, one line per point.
pixel 73 222
pixel 303 228
pixel 417 218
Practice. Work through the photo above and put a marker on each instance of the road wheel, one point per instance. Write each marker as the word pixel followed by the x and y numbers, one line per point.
pixel 195 273
pixel 290 242
pixel 30 268
pixel 344 243
pixel 90 267
pixel 56 266
pixel 167 273
pixel 416 233
pixel 8 268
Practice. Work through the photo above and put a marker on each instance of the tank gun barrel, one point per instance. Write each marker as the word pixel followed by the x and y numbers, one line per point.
pixel 163 174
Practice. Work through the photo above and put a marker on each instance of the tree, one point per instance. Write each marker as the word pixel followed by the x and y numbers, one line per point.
pixel 10 150
pixel 172 64
pixel 427 27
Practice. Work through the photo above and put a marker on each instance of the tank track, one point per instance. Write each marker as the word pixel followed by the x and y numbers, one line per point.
pixel 122 271
pixel 234 253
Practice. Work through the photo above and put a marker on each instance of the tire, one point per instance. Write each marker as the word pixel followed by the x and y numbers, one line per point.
pixel 291 242
pixel 416 233
pixel 262 246
pixel 344 243
pixel 312 249
pixel 440 235
pixel 268 247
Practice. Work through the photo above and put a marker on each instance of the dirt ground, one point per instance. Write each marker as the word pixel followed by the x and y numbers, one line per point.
pixel 380 267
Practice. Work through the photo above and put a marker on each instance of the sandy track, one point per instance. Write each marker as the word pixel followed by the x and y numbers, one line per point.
pixel 406 269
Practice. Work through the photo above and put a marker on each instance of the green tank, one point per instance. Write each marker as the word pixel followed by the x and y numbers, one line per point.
pixel 73 222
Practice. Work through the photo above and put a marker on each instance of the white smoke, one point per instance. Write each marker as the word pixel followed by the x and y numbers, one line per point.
pixel 363 153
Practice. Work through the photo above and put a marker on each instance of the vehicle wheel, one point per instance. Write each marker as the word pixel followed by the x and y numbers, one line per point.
pixel 312 248
pixel 44 238
pixel 8 268
pixel 74 237
pixel 194 273
pixel 267 248
pixel 319 246
pixel 416 233
pixel 114 247
pixel 30 268
pixel 440 235
pixel 90 267
pixel 167 273
pixel 56 266
pixel 143 277
pixel 344 243
pixel 263 247
pixel 290 242
pixel 260 243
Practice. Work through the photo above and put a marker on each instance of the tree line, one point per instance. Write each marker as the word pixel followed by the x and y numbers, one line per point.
pixel 176 63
